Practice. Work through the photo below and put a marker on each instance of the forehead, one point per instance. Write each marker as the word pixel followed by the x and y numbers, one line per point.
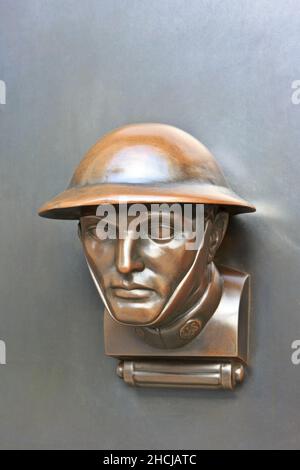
pixel 154 213
pixel 208 209
pixel 151 215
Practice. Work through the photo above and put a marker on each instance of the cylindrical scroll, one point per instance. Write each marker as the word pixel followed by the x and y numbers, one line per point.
pixel 177 374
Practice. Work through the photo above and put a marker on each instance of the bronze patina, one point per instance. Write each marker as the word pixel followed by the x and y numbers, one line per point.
pixel 171 315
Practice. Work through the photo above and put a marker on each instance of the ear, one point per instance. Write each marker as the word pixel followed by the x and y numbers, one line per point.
pixel 217 233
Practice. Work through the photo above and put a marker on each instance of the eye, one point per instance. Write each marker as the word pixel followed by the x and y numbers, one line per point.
pixel 92 232
pixel 162 234
pixel 102 232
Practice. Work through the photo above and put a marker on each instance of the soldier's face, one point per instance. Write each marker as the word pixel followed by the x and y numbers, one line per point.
pixel 137 276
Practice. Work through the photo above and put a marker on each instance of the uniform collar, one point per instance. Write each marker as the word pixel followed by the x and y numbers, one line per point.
pixel 182 330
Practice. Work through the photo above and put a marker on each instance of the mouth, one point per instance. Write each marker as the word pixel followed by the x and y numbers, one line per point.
pixel 132 292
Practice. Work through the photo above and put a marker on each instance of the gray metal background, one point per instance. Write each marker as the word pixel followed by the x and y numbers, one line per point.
pixel 221 70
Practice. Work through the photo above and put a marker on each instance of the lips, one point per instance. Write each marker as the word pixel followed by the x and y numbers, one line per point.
pixel 132 292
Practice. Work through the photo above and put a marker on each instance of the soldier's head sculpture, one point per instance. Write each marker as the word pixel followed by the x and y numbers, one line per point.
pixel 152 280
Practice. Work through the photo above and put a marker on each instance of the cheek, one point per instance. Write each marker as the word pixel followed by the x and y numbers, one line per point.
pixel 100 255
pixel 169 261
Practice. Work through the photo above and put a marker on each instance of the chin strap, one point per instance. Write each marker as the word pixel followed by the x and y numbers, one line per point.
pixel 191 323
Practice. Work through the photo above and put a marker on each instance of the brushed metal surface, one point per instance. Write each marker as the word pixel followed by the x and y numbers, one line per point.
pixel 74 70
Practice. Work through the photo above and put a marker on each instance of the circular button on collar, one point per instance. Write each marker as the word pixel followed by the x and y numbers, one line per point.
pixel 190 329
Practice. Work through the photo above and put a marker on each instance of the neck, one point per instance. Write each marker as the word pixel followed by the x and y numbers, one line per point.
pixel 184 329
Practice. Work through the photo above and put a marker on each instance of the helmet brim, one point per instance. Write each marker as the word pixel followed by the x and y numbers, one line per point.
pixel 69 204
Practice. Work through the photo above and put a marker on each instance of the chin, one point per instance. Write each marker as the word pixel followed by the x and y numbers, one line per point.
pixel 137 314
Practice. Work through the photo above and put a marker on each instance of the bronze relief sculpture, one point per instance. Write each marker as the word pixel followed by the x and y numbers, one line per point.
pixel 172 317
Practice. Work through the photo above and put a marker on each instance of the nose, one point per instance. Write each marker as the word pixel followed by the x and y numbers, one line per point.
pixel 128 259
